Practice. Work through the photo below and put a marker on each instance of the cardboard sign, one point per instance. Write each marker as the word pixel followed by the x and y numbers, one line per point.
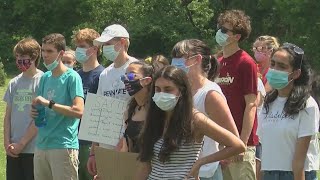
pixel 114 165
pixel 102 120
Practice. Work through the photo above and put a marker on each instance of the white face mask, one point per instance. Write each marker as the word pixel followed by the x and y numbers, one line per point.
pixel 165 101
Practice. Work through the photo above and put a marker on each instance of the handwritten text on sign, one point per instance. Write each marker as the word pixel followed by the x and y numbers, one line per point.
pixel 102 119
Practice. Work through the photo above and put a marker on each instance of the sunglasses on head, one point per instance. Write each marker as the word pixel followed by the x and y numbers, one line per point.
pixel 296 49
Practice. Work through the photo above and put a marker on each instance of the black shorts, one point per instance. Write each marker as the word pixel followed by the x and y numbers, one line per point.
pixel 20 167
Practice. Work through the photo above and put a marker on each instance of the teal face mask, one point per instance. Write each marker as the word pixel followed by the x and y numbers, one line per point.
pixel 110 53
pixel 221 38
pixel 278 79
pixel 53 65
pixel 81 55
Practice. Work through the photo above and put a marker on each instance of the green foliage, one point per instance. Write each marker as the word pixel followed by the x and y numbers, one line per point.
pixel 155 26
pixel 3 75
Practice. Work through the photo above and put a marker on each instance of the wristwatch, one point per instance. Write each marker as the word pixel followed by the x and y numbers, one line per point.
pixel 51 103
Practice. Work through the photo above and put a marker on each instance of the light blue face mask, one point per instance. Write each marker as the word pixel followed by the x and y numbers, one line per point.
pixel 110 53
pixel 53 65
pixel 81 55
pixel 179 63
pixel 221 38
pixel 278 79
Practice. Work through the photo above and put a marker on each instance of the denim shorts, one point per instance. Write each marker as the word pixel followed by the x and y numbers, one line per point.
pixel 258 151
pixel 287 175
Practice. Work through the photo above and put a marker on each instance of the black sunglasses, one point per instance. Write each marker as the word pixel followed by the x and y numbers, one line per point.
pixel 296 49
pixel 224 30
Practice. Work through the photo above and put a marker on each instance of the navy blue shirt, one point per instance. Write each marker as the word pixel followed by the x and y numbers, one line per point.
pixel 90 81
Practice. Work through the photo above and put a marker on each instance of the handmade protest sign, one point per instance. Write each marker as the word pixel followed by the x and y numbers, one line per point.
pixel 102 120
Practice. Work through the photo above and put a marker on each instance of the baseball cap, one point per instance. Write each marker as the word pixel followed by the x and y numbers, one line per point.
pixel 110 32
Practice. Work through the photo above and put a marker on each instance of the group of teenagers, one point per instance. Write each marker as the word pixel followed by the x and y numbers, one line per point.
pixel 204 115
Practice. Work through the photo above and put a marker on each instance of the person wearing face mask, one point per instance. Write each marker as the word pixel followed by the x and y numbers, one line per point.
pixel 238 81
pixel 289 119
pixel 86 54
pixel 173 133
pixel 60 92
pixel 194 56
pixel 69 58
pixel 115 43
pixel 262 49
pixel 19 128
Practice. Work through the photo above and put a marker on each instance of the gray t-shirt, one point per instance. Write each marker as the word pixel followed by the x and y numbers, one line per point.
pixel 21 90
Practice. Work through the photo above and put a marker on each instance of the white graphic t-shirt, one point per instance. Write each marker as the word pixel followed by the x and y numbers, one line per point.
pixel 279 134
pixel 111 85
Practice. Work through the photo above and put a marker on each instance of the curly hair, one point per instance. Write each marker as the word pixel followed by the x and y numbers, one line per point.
pixel 240 22
pixel 87 35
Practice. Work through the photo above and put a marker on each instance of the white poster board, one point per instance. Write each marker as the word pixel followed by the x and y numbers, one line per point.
pixel 102 120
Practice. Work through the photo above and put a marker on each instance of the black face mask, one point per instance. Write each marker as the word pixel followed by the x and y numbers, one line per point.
pixel 133 86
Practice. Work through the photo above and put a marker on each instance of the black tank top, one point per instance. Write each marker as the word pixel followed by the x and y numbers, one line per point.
pixel 132 133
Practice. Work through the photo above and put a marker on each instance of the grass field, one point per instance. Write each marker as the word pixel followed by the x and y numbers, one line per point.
pixel 2 151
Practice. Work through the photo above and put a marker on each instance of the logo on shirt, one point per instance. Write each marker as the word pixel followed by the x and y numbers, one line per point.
pixel 278 116
pixel 22 98
pixel 225 80
pixel 51 94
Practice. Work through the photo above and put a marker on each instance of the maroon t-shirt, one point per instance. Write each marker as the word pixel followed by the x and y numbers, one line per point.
pixel 238 77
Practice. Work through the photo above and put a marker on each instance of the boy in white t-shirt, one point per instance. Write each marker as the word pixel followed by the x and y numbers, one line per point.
pixel 115 43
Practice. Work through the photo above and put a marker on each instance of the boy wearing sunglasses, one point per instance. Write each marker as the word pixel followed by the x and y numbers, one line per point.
pixel 19 128
pixel 238 81
pixel 115 43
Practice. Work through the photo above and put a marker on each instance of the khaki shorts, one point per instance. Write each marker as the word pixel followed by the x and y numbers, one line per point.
pixel 56 164
pixel 244 170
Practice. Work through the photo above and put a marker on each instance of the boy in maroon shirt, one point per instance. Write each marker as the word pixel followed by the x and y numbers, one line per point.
pixel 238 81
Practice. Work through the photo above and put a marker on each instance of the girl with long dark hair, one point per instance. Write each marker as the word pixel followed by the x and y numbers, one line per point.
pixel 173 134
pixel 290 119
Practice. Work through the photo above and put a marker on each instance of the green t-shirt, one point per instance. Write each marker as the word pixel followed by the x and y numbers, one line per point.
pixel 61 132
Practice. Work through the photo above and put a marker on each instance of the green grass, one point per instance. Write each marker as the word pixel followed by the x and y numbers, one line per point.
pixel 2 151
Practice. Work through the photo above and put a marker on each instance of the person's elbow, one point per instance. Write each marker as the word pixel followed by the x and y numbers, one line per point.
pixel 78 112
pixel 239 146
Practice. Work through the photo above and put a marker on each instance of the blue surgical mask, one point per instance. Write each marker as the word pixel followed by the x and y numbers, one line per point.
pixel 110 53
pixel 180 63
pixel 165 101
pixel 278 79
pixel 81 55
pixel 53 65
pixel 221 38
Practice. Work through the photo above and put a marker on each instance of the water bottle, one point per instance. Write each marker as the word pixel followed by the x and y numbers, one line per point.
pixel 40 121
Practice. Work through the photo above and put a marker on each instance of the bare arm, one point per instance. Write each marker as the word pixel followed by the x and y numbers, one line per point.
pixel 207 127
pixel 76 110
pixel 7 126
pixel 143 171
pixel 248 117
pixel 299 158
pixel 218 110
pixel 29 135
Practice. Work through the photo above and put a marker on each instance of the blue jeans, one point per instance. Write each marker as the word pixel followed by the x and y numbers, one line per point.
pixel 217 175
pixel 287 175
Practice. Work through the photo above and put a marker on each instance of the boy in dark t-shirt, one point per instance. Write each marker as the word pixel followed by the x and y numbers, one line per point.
pixel 86 54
